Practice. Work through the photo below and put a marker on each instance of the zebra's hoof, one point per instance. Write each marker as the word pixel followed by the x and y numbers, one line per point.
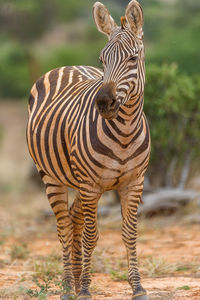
pixel 142 297
pixel 84 298
pixel 84 295
pixel 70 296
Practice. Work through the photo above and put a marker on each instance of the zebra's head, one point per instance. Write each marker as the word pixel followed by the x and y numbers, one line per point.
pixel 122 58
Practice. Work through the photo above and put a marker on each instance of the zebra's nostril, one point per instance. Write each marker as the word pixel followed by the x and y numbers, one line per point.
pixel 112 102
pixel 102 107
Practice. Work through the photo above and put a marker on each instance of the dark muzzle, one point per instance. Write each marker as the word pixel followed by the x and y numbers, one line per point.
pixel 105 101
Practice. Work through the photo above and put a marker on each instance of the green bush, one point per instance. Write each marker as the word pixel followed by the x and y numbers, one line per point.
pixel 172 107
pixel 171 31
pixel 14 71
pixel 78 54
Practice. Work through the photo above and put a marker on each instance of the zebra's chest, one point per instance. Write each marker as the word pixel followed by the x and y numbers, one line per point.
pixel 106 157
pixel 107 165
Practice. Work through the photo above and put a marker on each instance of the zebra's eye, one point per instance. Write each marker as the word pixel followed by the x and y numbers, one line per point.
pixel 133 58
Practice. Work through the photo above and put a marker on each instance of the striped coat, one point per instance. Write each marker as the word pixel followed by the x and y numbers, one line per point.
pixel 87 130
pixel 70 141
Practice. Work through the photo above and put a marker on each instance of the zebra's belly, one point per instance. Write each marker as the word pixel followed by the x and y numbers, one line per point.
pixel 110 180
pixel 107 173
pixel 121 173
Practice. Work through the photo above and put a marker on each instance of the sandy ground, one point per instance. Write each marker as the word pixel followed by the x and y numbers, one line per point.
pixel 168 260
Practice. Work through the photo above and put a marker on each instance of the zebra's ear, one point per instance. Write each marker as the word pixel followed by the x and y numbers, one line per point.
pixel 103 19
pixel 135 18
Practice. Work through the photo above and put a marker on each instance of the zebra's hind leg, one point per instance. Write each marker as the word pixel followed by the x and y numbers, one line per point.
pixel 130 198
pixel 78 224
pixel 89 200
pixel 57 196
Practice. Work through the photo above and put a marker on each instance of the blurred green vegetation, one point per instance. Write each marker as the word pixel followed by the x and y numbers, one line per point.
pixel 172 107
pixel 36 36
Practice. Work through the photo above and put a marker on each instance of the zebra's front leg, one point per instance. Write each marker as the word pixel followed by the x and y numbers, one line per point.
pixel 130 199
pixel 89 201
pixel 78 224
pixel 57 196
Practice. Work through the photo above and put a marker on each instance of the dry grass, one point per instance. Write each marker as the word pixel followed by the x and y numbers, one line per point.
pixel 184 287
pixel 49 266
pixel 156 267
pixel 191 268
pixel 118 275
pixel 19 251
pixel 11 293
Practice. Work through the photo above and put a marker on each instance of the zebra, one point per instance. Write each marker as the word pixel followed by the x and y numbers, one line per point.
pixel 87 130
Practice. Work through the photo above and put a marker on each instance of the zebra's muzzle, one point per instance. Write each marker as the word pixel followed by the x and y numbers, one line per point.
pixel 105 101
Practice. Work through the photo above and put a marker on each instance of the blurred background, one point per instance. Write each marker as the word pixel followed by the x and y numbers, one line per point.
pixel 37 36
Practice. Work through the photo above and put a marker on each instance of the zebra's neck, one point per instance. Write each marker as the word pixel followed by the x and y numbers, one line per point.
pixel 131 112
pixel 128 123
